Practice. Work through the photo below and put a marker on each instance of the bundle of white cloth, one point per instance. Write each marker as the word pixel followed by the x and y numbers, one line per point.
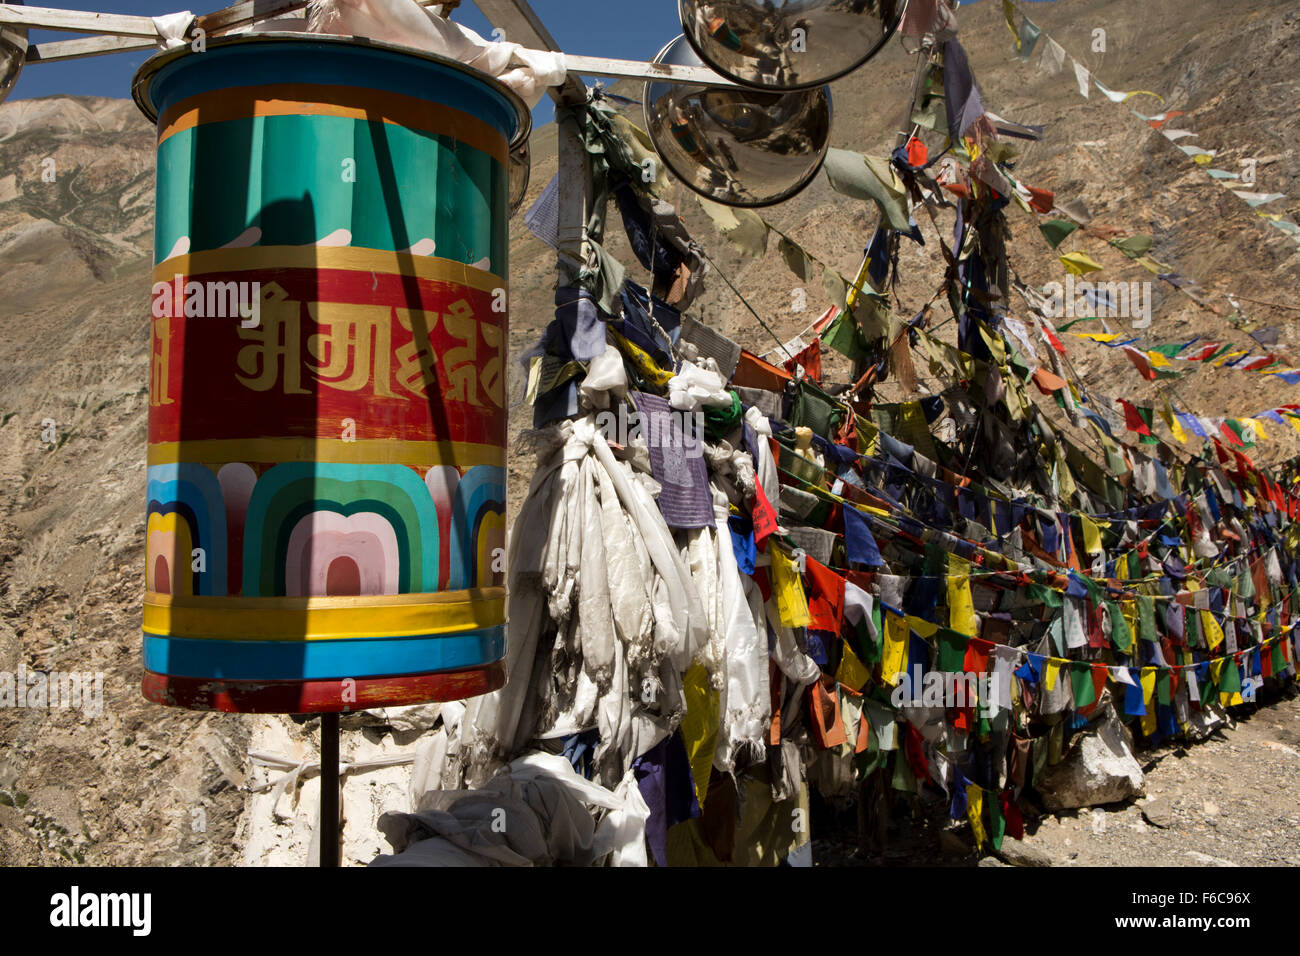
pixel 528 72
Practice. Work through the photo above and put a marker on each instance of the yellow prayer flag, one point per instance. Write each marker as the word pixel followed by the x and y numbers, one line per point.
pixel 791 601
pixel 1157 359
pixel 893 664
pixel 1052 673
pixel 1148 681
pixel 1008 11
pixel 961 609
pixel 699 727
pixel 1129 611
pixel 926 629
pixel 975 813
pixel 1259 429
pixel 1091 535
pixel 852 672
pixel 1080 263
pixel 534 379
pixel 1211 629
pixel 1167 413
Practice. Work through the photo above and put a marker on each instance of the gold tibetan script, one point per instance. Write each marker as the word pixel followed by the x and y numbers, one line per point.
pixel 352 349
pixel 276 341
pixel 462 364
pixel 160 350
pixel 354 346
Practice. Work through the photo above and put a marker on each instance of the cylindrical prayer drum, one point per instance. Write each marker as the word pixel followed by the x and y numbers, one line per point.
pixel 327 408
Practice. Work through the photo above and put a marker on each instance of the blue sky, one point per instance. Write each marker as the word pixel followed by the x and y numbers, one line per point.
pixel 626 29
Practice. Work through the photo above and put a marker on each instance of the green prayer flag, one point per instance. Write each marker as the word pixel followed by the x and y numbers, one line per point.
pixel 1120 636
pixel 903 779
pixel 1044 595
pixel 1148 416
pixel 1055 231
pixel 1163 694
pixel 1168 351
pixel 1209 689
pixel 952 650
pixel 1230 679
pixel 1081 683
pixel 1147 617
pixel 868 651
pixel 1135 247
pixel 844 336
pixel 997 824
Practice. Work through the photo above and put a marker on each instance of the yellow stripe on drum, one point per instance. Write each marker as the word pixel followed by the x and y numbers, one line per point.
pixel 269 258
pixel 415 454
pixel 323 618
pixel 316 99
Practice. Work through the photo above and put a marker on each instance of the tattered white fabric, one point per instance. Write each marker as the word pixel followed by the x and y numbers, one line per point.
pixel 618 608
pixel 698 386
pixel 528 72
pixel 536 812
pixel 1082 76
pixel 171 29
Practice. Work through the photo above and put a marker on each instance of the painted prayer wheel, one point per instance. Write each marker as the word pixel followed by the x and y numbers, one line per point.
pixel 327 419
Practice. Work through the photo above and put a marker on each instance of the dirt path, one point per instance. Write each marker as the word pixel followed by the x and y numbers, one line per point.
pixel 1227 801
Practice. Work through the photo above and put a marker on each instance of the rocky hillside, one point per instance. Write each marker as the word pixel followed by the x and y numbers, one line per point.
pixel 144 784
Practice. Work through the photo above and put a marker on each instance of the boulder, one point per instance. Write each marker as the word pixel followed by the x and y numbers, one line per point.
pixel 1020 853
pixel 1158 812
pixel 1203 721
pixel 1100 768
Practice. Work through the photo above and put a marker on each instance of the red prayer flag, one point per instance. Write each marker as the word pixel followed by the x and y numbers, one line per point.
pixel 1041 200
pixel 917 154
pixel 1165 118
pixel 1133 421
pixel 811 360
pixel 764 517
pixel 825 597
pixel 1141 362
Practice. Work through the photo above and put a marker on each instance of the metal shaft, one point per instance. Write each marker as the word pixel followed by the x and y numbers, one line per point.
pixel 329 790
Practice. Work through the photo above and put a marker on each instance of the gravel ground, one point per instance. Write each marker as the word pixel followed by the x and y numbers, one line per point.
pixel 1227 801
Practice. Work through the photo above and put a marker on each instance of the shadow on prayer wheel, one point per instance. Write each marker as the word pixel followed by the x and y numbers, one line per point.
pixel 327 419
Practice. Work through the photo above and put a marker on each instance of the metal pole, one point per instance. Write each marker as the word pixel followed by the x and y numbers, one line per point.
pixel 329 790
